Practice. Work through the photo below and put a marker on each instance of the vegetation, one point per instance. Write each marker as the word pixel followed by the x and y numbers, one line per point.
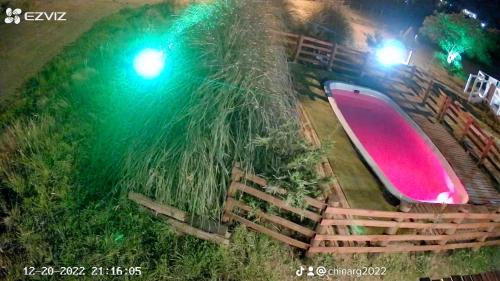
pixel 456 35
pixel 294 167
pixel 326 22
pixel 217 95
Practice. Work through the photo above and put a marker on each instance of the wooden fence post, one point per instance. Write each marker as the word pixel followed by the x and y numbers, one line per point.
pixel 489 230
pixel 403 207
pixel 427 91
pixel 321 229
pixel 412 72
pixel 332 56
pixel 299 48
pixel 487 148
pixel 443 108
pixel 467 126
pixel 236 175
pixel 452 231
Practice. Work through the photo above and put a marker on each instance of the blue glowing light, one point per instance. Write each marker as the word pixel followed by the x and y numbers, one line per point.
pixel 392 52
pixel 149 63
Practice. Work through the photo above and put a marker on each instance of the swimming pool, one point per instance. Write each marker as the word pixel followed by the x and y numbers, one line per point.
pixel 398 151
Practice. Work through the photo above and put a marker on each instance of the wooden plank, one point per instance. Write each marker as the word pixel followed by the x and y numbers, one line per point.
pixel 277 202
pixel 282 33
pixel 406 237
pixel 321 42
pixel 263 183
pixel 352 63
pixel 274 219
pixel 316 47
pixel 375 223
pixel 390 214
pixel 343 68
pixel 186 228
pixel 349 50
pixel 157 207
pixel 400 249
pixel 299 47
pixel 255 179
pixel 311 61
pixel 273 234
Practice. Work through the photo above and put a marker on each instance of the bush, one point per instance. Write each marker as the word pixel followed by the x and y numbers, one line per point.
pixel 455 67
pixel 327 22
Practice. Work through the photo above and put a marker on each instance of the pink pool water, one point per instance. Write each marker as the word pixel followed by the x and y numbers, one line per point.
pixel 402 156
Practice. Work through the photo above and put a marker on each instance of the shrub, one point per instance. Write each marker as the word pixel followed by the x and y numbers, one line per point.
pixel 326 22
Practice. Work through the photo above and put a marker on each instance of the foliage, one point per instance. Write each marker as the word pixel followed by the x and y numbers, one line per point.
pixel 455 67
pixel 294 165
pixel 456 35
pixel 327 22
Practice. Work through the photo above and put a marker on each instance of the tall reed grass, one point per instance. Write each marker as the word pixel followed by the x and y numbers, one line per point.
pixel 227 85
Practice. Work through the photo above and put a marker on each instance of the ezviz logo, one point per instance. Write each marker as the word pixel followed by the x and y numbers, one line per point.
pixel 14 16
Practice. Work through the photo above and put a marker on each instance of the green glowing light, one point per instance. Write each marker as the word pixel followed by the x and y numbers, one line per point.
pixel 149 63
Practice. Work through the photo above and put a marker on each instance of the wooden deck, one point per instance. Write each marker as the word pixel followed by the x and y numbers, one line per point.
pixel 479 185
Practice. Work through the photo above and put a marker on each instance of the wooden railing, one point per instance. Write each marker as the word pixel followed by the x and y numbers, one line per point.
pixel 479 143
pixel 325 227
pixel 440 228
pixel 291 225
pixel 183 222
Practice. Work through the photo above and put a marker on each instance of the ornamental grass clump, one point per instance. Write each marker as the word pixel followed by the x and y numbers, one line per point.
pixel 228 85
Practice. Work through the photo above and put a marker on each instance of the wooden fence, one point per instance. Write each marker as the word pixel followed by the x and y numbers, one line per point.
pixel 291 225
pixel 330 55
pixel 183 222
pixel 420 227
pixel 481 144
pixel 325 227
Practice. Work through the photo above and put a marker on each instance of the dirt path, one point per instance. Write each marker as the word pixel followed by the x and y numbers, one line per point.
pixel 26 47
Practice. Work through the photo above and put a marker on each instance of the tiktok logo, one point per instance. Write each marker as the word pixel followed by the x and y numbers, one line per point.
pixel 300 271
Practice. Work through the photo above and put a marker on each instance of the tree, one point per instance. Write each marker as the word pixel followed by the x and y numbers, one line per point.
pixel 456 34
